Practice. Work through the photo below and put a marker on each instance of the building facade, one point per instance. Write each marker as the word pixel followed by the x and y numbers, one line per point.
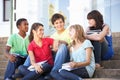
pixel 75 11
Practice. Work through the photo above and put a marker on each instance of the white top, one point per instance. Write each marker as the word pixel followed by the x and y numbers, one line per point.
pixel 79 55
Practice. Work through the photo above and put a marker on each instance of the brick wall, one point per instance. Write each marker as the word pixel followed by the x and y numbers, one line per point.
pixel 3 59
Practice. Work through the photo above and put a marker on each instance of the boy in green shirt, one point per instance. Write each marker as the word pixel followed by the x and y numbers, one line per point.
pixel 16 48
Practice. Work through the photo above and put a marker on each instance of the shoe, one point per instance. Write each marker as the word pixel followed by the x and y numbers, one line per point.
pixel 17 75
pixel 48 77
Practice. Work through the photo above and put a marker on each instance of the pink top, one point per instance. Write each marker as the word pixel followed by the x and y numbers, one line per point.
pixel 44 52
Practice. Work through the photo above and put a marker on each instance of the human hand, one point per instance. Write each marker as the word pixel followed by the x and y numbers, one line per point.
pixel 12 58
pixel 55 45
pixel 38 68
pixel 73 64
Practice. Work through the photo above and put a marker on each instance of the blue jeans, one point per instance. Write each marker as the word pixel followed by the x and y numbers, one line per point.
pixel 76 74
pixel 12 66
pixel 62 56
pixel 100 49
pixel 32 75
pixel 27 61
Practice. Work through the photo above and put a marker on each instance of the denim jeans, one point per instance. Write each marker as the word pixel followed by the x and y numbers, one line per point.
pixel 62 56
pixel 76 74
pixel 32 75
pixel 27 61
pixel 100 49
pixel 12 66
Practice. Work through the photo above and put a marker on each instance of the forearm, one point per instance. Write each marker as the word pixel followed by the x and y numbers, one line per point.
pixel 32 59
pixel 93 37
pixel 82 64
pixel 7 52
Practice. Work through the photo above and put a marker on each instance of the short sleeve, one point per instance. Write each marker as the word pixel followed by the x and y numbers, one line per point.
pixel 50 41
pixel 10 41
pixel 88 44
pixel 30 47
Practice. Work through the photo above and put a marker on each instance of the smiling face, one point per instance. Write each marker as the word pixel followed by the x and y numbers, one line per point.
pixel 91 22
pixel 23 26
pixel 39 32
pixel 59 24
pixel 72 33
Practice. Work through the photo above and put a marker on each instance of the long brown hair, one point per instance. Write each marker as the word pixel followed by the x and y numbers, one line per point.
pixel 97 16
pixel 80 35
pixel 35 26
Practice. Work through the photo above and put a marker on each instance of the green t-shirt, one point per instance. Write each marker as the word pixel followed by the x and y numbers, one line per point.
pixel 18 44
pixel 64 36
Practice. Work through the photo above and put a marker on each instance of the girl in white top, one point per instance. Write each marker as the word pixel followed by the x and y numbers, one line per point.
pixel 82 62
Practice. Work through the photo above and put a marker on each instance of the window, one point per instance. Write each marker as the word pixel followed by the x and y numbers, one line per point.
pixel 6 10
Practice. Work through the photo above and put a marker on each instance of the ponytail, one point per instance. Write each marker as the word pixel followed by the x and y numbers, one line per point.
pixel 31 36
pixel 35 26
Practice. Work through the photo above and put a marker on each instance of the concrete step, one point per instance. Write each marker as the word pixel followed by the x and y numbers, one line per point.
pixel 116 57
pixel 102 79
pixel 107 73
pixel 111 64
pixel 117 50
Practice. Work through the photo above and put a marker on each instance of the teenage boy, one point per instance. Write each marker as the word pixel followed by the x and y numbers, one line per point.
pixel 61 34
pixel 16 48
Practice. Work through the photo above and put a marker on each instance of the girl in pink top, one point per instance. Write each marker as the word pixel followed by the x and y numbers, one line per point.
pixel 39 50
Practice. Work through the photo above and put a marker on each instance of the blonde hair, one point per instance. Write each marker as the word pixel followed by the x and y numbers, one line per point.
pixel 80 35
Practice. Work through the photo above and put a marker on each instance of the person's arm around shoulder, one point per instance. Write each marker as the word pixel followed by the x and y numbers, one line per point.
pixel 100 36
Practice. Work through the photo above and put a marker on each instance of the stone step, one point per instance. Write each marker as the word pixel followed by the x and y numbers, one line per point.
pixel 117 50
pixel 111 64
pixel 101 79
pixel 107 73
pixel 116 57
